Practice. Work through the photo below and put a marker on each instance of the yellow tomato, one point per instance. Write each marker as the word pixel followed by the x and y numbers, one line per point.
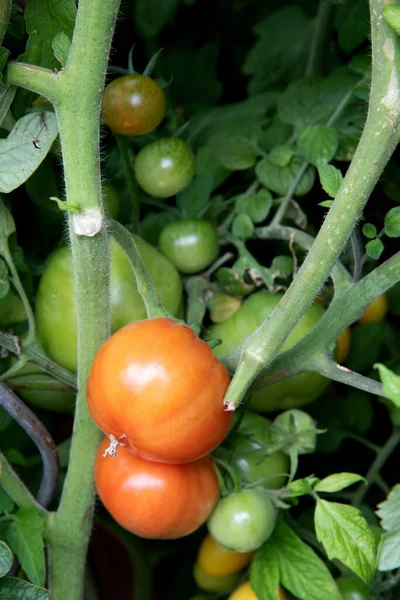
pixel 210 583
pixel 245 592
pixel 217 561
pixel 376 311
pixel 343 345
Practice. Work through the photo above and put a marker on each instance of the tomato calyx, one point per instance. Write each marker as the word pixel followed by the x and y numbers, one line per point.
pixel 111 450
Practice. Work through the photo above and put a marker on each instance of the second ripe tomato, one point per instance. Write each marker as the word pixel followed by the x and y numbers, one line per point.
pixel 217 561
pixel 157 387
pixel 133 104
pixel 155 500
pixel 245 592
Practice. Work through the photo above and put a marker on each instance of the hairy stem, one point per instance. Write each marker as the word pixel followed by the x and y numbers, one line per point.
pixel 369 160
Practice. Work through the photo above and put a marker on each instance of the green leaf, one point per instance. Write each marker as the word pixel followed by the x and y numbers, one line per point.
pixel 234 281
pixel 282 266
pixel 389 550
pixel 6 559
pixel 264 573
pixel 207 165
pixel 391 14
pixel 392 222
pixel 4 54
pixel 25 148
pixel 4 281
pixel 389 510
pixel 257 207
pixel 280 179
pixel 12 588
pixel 6 504
pixel 301 571
pixel 330 177
pixel 193 200
pixel 369 230
pixel 337 482
pixel 7 227
pixel 46 20
pixel 234 144
pixel 353 24
pixel 374 248
pixel 326 203
pixel 280 156
pixel 302 487
pixel 61 46
pixel 391 383
pixel 151 16
pixel 345 535
pixel 280 52
pixel 25 536
pixel 6 97
pixel 318 144
pixel 242 227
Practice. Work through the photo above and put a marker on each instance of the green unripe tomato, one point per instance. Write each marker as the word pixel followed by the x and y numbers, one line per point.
pixel 111 200
pixel 353 588
pixel 55 302
pixel 210 583
pixel 302 426
pixel 191 244
pixel 12 310
pixel 288 393
pixel 222 307
pixel 34 385
pixel 251 436
pixel 165 167
pixel 243 521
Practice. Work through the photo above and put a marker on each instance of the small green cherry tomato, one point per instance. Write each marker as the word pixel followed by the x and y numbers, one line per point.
pixel 290 392
pixel 165 167
pixel 243 520
pixel 353 588
pixel 191 244
pixel 251 436
pixel 55 301
pixel 302 426
pixel 133 104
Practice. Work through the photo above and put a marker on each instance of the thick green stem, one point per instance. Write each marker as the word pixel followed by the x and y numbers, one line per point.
pixel 68 530
pixel 379 139
pixel 316 54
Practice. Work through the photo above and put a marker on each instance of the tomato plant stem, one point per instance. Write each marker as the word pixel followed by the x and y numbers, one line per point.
pixel 13 486
pixel 316 54
pixel 374 470
pixel 362 175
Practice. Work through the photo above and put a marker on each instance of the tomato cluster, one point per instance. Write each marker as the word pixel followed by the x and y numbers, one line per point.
pixel 157 390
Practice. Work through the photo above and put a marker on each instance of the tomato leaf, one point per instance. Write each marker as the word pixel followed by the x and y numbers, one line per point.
pixel 6 97
pixel 234 144
pixel 301 487
pixel 193 200
pixel 264 573
pixel 391 14
pixel 388 511
pixel 242 226
pixel 301 571
pixel 345 535
pixel 389 551
pixel 12 588
pixel 318 143
pixel 391 383
pixel 392 222
pixel 353 20
pixel 25 536
pixel 280 156
pixel 256 207
pixel 25 147
pixel 61 45
pixel 369 230
pixel 6 504
pixel 280 179
pixel 337 482
pixel 6 559
pixel 374 248
pixel 331 179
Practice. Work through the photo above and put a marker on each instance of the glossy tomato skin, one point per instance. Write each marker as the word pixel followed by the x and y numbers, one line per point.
pixel 243 521
pixel 55 302
pixel 247 445
pixel 133 104
pixel 191 244
pixel 165 167
pixel 159 385
pixel 288 393
pixel 245 592
pixel 353 588
pixel 376 311
pixel 155 500
pixel 217 561
pixel 212 583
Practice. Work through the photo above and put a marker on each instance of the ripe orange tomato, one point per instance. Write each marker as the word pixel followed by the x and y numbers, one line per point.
pixel 155 500
pixel 376 311
pixel 217 561
pixel 156 386
pixel 245 592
